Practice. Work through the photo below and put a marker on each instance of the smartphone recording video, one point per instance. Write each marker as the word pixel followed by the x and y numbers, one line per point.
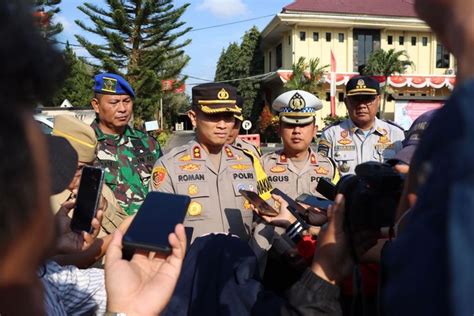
pixel 87 201
pixel 154 221
pixel 263 207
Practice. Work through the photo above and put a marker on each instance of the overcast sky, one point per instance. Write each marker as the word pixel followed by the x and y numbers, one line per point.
pixel 207 44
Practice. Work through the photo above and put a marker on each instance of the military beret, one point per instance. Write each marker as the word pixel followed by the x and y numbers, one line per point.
pixel 297 107
pixel 108 83
pixel 362 85
pixel 80 135
pixel 213 98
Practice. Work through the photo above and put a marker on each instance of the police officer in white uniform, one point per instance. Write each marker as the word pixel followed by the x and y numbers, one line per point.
pixel 362 137
pixel 296 169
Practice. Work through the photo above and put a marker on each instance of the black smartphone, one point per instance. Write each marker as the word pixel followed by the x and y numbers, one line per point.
pixel 87 201
pixel 326 188
pixel 294 208
pixel 313 201
pixel 154 221
pixel 259 203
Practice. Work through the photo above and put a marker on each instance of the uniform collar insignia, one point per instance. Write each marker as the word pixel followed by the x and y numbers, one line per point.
pixel 197 152
pixel 313 159
pixel 283 158
pixel 229 152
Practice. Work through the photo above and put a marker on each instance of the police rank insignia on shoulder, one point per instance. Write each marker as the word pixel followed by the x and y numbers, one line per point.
pixel 194 208
pixel 158 175
pixel 278 169
pixel 297 102
pixel 190 167
pixel 196 152
pixel 185 158
pixel 229 152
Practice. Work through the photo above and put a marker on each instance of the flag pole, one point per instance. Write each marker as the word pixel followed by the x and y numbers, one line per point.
pixel 333 85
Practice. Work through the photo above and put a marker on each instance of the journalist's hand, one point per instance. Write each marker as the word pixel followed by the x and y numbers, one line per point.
pixel 332 260
pixel 144 285
pixel 284 217
pixel 68 241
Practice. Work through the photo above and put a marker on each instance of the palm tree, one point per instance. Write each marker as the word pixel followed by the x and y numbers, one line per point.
pixel 306 76
pixel 385 63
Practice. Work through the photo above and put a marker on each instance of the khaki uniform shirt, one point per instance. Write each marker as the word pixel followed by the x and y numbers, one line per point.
pixel 347 145
pixel 113 214
pixel 216 204
pixel 285 176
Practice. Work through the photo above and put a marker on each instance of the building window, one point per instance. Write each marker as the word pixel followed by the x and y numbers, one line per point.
pixel 365 42
pixel 270 61
pixel 341 96
pixel 328 37
pixel 328 96
pixel 424 41
pixel 341 37
pixel 442 56
pixel 279 56
pixel 390 40
pixel 302 36
pixel 413 41
pixel 315 36
pixel 289 40
pixel 401 40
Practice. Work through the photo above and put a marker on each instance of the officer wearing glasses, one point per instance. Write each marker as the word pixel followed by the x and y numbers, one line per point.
pixel 362 137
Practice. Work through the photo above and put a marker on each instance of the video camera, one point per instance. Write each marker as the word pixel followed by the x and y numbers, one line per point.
pixel 372 195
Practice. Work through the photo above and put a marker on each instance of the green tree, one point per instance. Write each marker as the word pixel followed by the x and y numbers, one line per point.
pixel 77 88
pixel 243 61
pixel 140 38
pixel 46 9
pixel 226 65
pixel 306 76
pixel 385 63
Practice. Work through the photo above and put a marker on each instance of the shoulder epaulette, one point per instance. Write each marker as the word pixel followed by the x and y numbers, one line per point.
pixel 177 150
pixel 394 124
pixel 331 125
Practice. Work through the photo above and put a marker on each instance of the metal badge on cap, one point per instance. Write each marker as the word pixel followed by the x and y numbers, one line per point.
pixel 223 94
pixel 297 102
pixel 109 85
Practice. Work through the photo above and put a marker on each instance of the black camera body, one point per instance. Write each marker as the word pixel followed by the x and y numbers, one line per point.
pixel 372 196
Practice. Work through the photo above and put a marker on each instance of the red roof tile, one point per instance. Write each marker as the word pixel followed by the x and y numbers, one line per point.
pixel 401 8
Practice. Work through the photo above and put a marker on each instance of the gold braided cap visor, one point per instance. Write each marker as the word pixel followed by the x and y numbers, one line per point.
pixel 362 92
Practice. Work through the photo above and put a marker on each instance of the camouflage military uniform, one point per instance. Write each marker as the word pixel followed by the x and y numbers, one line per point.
pixel 216 205
pixel 348 146
pixel 128 160
pixel 286 177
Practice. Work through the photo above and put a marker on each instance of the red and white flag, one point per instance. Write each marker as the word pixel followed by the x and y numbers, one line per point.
pixel 333 84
